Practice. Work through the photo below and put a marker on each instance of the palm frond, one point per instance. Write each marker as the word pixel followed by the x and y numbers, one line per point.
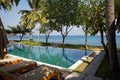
pixel 7 4
pixel 30 3
pixel 16 2
pixel 23 12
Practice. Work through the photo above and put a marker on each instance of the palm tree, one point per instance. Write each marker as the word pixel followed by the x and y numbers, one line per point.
pixel 31 17
pixel 110 20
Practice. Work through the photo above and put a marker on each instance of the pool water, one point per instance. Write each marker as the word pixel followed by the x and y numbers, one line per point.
pixel 57 56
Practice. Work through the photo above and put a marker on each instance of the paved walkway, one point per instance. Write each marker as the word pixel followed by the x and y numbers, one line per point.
pixel 92 68
pixel 89 72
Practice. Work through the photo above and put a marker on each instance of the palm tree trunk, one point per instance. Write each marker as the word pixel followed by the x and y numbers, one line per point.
pixel 21 36
pixel 47 39
pixel 114 65
pixel 30 36
pixel 63 40
pixel 39 37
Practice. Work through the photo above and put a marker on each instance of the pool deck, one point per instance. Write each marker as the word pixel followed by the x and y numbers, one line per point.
pixel 69 74
pixel 89 72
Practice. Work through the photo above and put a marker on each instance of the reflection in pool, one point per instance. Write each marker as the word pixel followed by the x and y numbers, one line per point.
pixel 57 56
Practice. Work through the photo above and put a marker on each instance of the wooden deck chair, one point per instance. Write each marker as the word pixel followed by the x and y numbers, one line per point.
pixel 8 61
pixel 41 73
pixel 20 67
pixel 7 76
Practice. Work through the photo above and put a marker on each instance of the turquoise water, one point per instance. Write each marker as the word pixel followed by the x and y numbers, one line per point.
pixel 56 56
pixel 92 40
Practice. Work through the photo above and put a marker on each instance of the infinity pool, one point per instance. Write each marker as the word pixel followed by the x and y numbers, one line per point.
pixel 57 56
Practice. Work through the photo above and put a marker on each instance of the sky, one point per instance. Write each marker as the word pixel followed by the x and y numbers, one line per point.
pixel 12 18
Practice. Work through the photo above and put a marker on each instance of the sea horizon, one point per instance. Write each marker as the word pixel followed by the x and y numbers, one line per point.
pixel 70 39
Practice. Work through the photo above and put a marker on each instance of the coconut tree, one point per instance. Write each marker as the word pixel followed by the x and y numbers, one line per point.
pixel 31 17
pixel 110 21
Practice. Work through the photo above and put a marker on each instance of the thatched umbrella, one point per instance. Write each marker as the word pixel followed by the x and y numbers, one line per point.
pixel 3 41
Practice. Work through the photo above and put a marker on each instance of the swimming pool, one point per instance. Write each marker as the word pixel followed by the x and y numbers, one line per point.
pixel 57 56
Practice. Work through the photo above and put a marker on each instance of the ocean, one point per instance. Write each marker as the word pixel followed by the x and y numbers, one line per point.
pixel 92 40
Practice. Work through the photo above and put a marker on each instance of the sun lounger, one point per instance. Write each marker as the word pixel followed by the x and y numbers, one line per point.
pixel 20 67
pixel 7 76
pixel 8 61
pixel 41 73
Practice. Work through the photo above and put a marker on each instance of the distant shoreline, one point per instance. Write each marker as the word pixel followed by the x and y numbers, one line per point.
pixel 70 46
pixel 92 40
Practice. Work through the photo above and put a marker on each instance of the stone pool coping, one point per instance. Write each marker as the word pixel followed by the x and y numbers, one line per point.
pixel 75 65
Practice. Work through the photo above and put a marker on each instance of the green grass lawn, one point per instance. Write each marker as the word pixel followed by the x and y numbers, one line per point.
pixel 71 46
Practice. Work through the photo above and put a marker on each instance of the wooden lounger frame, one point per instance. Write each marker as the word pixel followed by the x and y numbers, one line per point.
pixel 9 61
pixel 41 73
pixel 20 67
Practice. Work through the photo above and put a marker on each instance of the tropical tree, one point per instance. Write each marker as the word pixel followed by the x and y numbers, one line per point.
pixel 85 29
pixel 32 17
pixel 23 31
pixel 93 18
pixel 45 29
pixel 61 14
pixel 19 29
pixel 8 31
pixel 110 21
pixel 96 20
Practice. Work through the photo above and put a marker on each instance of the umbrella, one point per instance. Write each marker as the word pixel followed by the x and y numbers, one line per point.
pixel 3 41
